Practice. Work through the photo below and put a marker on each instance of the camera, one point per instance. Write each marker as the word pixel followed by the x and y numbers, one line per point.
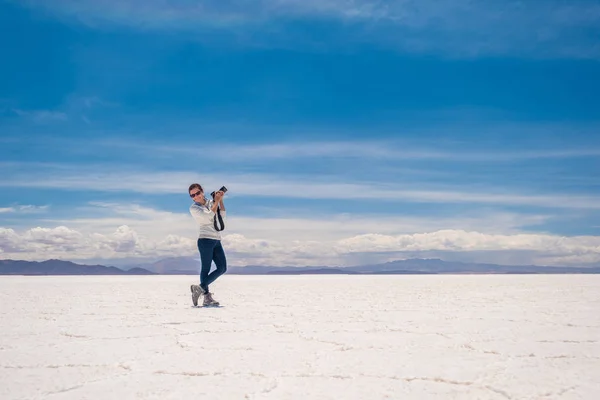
pixel 223 189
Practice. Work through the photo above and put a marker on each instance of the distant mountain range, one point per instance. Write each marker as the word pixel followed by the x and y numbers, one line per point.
pixel 60 267
pixel 190 266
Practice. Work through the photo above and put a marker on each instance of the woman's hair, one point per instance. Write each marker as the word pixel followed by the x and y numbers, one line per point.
pixel 195 186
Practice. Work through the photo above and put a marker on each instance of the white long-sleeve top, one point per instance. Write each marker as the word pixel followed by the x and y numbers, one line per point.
pixel 204 217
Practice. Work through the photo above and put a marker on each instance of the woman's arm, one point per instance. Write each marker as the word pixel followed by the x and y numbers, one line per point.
pixel 218 201
pixel 214 207
pixel 203 215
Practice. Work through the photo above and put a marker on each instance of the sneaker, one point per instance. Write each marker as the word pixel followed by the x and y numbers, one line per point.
pixel 196 292
pixel 209 301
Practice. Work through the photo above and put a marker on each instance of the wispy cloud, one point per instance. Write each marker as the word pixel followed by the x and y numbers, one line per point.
pixel 397 150
pixel 41 116
pixel 90 102
pixel 289 224
pixel 73 109
pixel 366 149
pixel 110 179
pixel 461 27
pixel 25 209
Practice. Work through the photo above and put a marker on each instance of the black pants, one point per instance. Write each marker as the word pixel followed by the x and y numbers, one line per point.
pixel 211 250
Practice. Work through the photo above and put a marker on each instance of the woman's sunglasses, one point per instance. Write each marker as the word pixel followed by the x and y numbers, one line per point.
pixel 192 195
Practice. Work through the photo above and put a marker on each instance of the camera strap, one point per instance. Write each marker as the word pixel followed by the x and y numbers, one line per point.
pixel 221 225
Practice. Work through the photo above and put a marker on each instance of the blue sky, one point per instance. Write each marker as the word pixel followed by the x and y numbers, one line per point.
pixel 347 132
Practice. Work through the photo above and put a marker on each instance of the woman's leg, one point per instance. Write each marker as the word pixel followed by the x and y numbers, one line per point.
pixel 206 248
pixel 220 261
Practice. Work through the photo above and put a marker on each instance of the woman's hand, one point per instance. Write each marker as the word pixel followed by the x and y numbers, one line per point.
pixel 217 200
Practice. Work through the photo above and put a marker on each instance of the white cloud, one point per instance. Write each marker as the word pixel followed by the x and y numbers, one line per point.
pixel 457 27
pixel 132 231
pixel 563 251
pixel 124 242
pixel 460 240
pixel 62 242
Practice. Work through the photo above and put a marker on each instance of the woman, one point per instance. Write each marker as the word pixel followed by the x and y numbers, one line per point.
pixel 209 241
